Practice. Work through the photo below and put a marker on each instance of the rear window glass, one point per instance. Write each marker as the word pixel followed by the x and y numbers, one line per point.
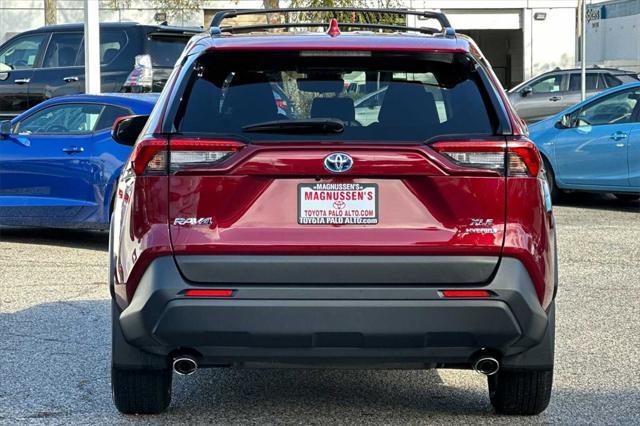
pixel 612 81
pixel 594 82
pixel 109 115
pixel 166 50
pixel 377 96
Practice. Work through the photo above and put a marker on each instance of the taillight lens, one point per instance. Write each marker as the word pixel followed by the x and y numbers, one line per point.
pixel 197 153
pixel 523 158
pixel 149 156
pixel 156 156
pixel 140 79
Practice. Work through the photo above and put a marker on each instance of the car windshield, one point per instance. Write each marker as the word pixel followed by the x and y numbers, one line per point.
pixel 377 96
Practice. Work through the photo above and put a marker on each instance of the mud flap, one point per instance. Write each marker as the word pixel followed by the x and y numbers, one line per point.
pixel 539 357
pixel 127 357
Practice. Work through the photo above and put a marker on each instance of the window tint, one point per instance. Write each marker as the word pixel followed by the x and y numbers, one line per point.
pixel 549 84
pixel 70 118
pixel 111 44
pixel 22 52
pixel 613 109
pixel 594 81
pixel 165 50
pixel 612 81
pixel 109 115
pixel 368 107
pixel 409 98
pixel 62 50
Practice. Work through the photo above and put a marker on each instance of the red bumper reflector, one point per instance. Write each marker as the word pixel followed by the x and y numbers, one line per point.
pixel 209 293
pixel 465 293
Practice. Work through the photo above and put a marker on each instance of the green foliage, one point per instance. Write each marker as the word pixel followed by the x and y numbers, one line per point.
pixel 369 17
pixel 172 8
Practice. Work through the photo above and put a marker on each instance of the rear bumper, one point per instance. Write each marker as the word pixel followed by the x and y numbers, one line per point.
pixel 398 325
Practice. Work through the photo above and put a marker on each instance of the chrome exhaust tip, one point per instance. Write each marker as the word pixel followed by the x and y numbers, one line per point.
pixel 185 365
pixel 486 365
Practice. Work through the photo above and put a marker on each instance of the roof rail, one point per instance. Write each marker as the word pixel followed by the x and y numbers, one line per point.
pixel 219 17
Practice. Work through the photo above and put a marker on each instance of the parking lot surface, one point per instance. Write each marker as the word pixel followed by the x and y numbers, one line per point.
pixel 55 344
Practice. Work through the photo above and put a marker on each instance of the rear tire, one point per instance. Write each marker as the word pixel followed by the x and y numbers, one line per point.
pixel 627 196
pixel 554 191
pixel 521 392
pixel 141 391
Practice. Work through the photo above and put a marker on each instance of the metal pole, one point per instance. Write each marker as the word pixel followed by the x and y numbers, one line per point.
pixel 583 50
pixel 92 47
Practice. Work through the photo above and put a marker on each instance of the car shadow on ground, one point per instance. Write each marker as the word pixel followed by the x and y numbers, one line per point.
pixel 59 372
pixel 63 370
pixel 597 201
pixel 72 238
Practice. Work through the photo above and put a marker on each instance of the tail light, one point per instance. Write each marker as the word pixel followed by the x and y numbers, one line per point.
pixel 156 156
pixel 140 79
pixel 522 157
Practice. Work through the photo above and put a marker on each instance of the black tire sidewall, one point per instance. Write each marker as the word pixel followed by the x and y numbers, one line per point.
pixel 551 179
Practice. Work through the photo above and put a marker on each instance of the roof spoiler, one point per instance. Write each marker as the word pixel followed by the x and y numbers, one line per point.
pixel 363 22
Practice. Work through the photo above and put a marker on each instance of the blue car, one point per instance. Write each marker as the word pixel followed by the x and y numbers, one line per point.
pixel 594 145
pixel 59 164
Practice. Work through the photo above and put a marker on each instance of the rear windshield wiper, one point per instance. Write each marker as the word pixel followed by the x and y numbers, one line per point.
pixel 312 125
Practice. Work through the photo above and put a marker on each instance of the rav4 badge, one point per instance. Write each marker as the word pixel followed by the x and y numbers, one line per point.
pixel 192 221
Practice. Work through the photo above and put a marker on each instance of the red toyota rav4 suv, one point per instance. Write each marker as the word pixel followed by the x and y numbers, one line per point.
pixel 407 225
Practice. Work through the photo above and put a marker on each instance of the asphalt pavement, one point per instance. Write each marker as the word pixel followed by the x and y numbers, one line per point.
pixel 55 344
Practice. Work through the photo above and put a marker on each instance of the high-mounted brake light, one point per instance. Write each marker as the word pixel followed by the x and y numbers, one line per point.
pixel 156 156
pixel 523 158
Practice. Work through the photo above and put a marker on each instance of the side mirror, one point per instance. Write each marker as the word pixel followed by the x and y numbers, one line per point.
pixel 564 122
pixel 5 129
pixel 126 129
pixel 526 91
pixel 4 71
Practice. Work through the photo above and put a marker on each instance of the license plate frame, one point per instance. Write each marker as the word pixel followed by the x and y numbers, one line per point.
pixel 339 208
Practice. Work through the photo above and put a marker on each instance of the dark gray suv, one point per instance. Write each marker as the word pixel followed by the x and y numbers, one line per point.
pixel 556 90
pixel 47 62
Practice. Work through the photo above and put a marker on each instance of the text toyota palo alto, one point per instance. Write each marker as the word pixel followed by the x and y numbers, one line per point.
pixel 247 235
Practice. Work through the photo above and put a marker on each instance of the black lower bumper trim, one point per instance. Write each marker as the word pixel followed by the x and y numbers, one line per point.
pixel 289 324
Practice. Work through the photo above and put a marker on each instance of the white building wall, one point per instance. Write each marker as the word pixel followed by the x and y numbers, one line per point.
pixel 546 44
pixel 19 15
pixel 613 42
pixel 552 42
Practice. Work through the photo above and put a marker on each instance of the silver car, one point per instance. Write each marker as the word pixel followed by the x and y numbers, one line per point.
pixel 556 90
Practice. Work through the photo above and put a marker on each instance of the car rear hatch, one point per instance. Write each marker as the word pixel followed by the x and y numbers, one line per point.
pixel 163 45
pixel 314 196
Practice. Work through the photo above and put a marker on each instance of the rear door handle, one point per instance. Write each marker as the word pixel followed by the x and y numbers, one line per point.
pixel 71 78
pixel 21 80
pixel 73 149
pixel 555 98
pixel 618 136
